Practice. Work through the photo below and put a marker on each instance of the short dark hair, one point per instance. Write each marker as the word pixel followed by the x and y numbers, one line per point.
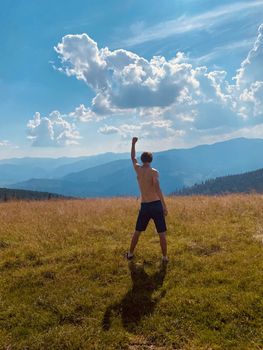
pixel 146 157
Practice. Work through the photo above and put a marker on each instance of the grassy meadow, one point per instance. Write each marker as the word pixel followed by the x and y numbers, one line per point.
pixel 65 284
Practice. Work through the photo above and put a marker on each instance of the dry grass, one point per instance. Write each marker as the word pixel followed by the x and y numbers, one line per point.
pixel 65 284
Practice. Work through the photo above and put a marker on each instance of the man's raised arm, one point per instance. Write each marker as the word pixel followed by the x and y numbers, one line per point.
pixel 133 153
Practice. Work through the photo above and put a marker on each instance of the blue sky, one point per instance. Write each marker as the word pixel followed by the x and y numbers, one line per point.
pixel 168 101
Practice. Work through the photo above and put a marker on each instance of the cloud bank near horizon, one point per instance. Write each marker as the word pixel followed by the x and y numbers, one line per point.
pixel 164 98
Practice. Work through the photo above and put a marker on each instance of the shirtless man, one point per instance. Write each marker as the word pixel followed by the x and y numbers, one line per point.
pixel 152 201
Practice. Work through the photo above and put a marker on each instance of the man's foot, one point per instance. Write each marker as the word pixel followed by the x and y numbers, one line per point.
pixel 129 256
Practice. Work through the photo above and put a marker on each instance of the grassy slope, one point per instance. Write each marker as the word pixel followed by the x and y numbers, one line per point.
pixel 65 285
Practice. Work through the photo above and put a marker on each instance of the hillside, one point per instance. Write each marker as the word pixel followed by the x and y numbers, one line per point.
pixel 242 183
pixel 178 168
pixel 22 169
pixel 65 284
pixel 15 194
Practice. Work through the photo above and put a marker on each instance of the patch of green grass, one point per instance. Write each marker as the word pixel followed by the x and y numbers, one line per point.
pixel 65 284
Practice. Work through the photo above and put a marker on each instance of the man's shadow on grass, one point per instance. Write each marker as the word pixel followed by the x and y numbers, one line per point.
pixel 138 302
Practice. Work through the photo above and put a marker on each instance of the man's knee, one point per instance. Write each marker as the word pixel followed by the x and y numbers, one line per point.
pixel 137 233
pixel 162 234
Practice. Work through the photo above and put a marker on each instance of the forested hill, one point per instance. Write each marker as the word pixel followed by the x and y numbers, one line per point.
pixel 242 183
pixel 14 194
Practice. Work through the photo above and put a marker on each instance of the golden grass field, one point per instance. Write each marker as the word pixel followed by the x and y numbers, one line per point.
pixel 65 284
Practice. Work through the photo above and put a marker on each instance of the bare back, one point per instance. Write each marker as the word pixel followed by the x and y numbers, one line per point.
pixel 146 177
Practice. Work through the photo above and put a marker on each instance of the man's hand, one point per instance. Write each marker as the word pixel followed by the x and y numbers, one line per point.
pixel 165 211
pixel 134 140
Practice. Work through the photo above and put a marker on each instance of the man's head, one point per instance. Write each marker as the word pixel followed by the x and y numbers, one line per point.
pixel 146 157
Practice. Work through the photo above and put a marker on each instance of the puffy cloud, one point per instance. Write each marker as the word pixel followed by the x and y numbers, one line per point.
pixel 124 130
pixel 131 83
pixel 82 114
pixel 51 131
pixel 4 143
pixel 150 129
pixel 122 79
pixel 109 130
pixel 160 129
pixel 7 144
pixel 251 100
pixel 165 98
pixel 247 93
pixel 83 59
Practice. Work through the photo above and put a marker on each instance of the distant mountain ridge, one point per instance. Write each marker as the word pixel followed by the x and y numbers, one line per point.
pixel 178 168
pixel 22 169
pixel 7 194
pixel 242 183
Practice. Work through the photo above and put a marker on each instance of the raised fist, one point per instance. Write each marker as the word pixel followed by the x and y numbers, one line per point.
pixel 134 140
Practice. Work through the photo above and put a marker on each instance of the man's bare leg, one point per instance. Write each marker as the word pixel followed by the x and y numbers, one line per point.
pixel 134 241
pixel 163 245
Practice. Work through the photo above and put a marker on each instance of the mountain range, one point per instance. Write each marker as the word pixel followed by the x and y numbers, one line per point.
pixel 112 174
pixel 21 169
pixel 242 183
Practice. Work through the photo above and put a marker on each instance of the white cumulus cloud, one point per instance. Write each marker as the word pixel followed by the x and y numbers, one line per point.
pixel 7 144
pixel 163 98
pixel 149 129
pixel 51 131
pixel 161 89
pixel 122 79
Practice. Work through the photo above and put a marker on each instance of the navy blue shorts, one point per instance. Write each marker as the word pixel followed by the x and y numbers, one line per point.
pixel 151 210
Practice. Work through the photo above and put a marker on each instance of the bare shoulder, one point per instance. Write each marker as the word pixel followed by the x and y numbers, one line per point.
pixel 155 171
pixel 155 175
pixel 136 165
